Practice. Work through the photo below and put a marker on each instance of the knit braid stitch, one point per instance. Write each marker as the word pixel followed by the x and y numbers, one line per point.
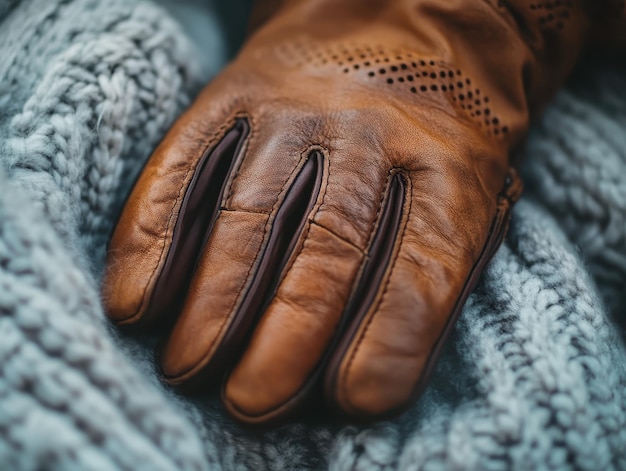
pixel 68 400
pixel 107 98
pixel 577 158
pixel 95 101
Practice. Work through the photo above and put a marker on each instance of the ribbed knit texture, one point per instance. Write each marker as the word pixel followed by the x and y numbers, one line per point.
pixel 534 376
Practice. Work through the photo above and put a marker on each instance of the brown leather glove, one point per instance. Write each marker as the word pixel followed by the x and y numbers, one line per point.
pixel 322 211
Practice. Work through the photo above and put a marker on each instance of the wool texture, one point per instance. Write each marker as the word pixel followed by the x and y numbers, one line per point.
pixel 533 377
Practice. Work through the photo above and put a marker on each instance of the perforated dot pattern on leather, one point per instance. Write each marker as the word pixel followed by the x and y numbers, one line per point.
pixel 552 15
pixel 402 71
pixel 546 16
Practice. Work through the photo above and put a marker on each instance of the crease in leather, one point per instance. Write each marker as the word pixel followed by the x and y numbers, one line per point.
pixel 198 212
pixel 224 209
pixel 524 28
pixel 285 232
pixel 341 238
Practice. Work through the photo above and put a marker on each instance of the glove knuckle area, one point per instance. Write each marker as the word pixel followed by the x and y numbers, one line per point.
pixel 357 178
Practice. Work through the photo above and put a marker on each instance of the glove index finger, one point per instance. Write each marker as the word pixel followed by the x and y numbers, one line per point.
pixel 171 209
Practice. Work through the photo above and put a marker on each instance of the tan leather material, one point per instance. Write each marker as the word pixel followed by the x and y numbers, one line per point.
pixel 365 181
pixel 297 326
pixel 212 340
pixel 218 283
pixel 383 359
pixel 143 234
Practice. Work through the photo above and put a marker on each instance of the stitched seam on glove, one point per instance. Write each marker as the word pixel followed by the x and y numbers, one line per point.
pixel 171 227
pixel 374 309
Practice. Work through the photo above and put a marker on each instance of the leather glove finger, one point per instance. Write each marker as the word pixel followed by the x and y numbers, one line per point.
pixel 151 241
pixel 409 306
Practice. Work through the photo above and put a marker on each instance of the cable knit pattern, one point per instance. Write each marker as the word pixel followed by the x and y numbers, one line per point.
pixel 534 376
pixel 88 90
pixel 577 159
pixel 68 400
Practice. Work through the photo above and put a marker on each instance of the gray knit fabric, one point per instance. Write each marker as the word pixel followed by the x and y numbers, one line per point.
pixel 534 376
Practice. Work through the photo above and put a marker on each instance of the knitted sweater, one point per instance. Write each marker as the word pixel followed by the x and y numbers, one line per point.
pixel 534 376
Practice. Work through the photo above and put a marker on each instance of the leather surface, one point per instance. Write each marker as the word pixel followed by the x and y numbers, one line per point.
pixel 412 110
